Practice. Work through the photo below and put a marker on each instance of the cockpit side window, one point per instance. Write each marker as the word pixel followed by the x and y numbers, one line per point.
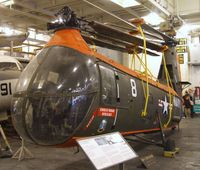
pixel 8 66
pixel 20 66
pixel 108 89
pixel 28 72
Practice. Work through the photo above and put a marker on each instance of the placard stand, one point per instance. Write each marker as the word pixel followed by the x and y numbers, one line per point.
pixel 8 151
pixel 107 150
pixel 5 139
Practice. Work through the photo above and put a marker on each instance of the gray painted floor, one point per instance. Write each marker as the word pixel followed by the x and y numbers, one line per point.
pixel 188 139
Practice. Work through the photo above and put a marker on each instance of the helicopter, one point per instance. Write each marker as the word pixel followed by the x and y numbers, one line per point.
pixel 10 69
pixel 69 91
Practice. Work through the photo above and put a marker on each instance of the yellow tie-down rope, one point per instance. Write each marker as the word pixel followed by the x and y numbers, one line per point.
pixel 138 22
pixel 133 60
pixel 144 112
pixel 141 63
pixel 93 46
pixel 169 84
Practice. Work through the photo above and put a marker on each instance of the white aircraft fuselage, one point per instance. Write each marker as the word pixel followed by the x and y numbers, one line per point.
pixel 10 70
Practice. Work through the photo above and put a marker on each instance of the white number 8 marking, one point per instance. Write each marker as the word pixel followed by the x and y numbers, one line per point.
pixel 133 88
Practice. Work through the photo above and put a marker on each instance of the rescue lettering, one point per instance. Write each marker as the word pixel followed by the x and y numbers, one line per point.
pixel 108 112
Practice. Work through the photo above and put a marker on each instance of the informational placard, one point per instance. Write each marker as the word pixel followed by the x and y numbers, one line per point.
pixel 196 108
pixel 107 150
pixel 181 49
pixel 182 41
pixel 181 58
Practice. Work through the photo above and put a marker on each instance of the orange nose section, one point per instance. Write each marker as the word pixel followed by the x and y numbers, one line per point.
pixel 70 38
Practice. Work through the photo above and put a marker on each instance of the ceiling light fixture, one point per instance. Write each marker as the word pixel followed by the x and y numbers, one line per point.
pixel 6 30
pixel 153 19
pixel 6 2
pixel 126 3
pixel 9 31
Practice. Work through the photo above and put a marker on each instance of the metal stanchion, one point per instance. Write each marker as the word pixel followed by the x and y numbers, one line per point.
pixel 122 166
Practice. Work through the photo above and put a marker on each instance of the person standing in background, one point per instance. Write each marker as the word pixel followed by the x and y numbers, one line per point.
pixel 187 104
pixel 190 91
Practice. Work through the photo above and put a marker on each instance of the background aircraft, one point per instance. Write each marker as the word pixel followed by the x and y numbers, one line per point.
pixel 10 70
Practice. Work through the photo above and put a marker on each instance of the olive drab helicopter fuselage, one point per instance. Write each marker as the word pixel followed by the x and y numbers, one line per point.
pixel 69 91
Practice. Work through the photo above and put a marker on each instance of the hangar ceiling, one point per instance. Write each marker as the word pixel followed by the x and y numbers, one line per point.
pixel 23 14
pixel 35 13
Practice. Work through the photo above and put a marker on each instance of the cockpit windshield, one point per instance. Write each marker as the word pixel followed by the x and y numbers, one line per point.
pixel 55 92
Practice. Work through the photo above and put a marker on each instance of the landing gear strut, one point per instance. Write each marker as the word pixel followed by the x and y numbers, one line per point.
pixel 169 147
pixel 7 152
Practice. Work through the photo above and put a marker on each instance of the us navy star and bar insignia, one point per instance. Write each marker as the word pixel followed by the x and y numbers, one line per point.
pixel 165 106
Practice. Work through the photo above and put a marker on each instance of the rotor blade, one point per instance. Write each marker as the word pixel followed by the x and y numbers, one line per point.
pixel 112 32
pixel 128 29
pixel 110 45
pixel 130 47
pixel 167 38
pixel 98 42
pixel 144 26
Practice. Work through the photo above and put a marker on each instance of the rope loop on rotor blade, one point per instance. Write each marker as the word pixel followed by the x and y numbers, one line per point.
pixel 133 60
pixel 94 47
pixel 143 65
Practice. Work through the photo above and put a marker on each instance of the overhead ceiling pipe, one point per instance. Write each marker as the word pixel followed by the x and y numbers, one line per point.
pixel 157 5
pixel 42 11
pixel 23 13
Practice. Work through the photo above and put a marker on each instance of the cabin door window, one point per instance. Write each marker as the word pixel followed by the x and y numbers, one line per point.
pixel 108 88
pixel 125 89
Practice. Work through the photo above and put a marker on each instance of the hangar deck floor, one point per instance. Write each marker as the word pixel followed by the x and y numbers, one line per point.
pixel 188 139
